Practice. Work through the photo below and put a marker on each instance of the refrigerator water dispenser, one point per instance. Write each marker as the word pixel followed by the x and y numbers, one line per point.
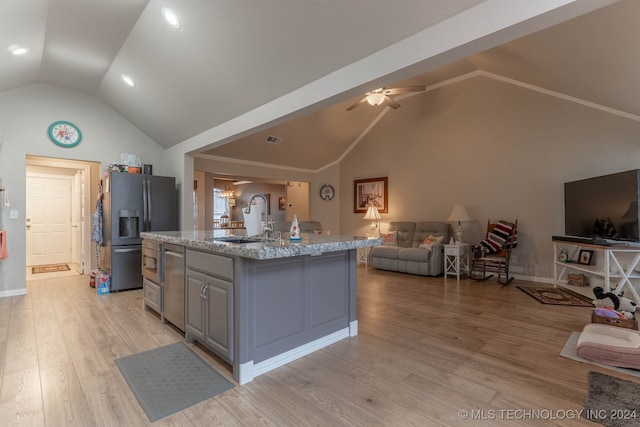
pixel 128 221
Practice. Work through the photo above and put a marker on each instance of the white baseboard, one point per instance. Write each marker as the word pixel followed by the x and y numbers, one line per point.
pixel 249 370
pixel 353 328
pixel 13 293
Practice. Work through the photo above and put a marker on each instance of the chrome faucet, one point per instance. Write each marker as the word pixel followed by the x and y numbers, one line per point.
pixel 268 228
pixel 247 210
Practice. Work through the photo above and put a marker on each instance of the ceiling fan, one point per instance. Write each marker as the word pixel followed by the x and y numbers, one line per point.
pixel 381 96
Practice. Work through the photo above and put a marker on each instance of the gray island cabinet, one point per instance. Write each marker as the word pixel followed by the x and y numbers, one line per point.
pixel 260 305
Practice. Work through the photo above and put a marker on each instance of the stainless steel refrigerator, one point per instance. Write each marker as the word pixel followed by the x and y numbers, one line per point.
pixel 133 203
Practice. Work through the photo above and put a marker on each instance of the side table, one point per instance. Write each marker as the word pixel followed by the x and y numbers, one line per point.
pixel 362 255
pixel 456 259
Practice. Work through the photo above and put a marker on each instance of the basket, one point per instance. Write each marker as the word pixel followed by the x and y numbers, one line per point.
pixel 577 279
pixel 622 323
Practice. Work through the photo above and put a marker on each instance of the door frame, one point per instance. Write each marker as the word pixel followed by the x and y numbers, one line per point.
pixel 78 165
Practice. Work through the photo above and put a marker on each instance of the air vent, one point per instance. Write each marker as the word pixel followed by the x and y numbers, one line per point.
pixel 274 139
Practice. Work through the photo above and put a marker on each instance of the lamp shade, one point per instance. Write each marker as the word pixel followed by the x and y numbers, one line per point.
pixel 459 213
pixel 372 213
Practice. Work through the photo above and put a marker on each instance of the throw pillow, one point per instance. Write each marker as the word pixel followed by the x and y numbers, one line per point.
pixel 390 239
pixel 428 242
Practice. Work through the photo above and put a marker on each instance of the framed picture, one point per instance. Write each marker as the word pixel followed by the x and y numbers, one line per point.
pixel 281 202
pixel 585 257
pixel 371 191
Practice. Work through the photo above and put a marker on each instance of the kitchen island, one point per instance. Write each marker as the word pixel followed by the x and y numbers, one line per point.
pixel 260 304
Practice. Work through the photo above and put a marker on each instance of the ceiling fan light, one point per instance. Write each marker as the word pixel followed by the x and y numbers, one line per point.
pixel 375 98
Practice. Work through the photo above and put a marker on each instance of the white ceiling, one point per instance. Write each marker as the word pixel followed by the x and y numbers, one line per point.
pixel 231 57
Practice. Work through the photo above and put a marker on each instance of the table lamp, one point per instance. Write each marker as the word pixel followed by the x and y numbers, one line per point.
pixel 374 215
pixel 459 213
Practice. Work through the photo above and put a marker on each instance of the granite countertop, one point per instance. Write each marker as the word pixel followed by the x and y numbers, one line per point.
pixel 311 244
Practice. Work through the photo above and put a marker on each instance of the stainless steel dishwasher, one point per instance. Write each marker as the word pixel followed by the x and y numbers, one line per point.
pixel 173 284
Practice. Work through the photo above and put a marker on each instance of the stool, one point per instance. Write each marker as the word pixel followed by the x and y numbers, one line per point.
pixel 610 345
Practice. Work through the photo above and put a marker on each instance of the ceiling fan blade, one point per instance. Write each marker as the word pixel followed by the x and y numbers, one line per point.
pixel 362 101
pixel 401 90
pixel 391 103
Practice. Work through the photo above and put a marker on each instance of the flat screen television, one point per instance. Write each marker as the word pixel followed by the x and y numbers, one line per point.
pixel 604 206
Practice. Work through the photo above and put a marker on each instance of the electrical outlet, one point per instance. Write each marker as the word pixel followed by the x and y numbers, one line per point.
pixel 13 214
pixel 514 258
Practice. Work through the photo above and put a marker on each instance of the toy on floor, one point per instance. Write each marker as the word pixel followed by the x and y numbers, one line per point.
pixel 618 303
pixel 608 312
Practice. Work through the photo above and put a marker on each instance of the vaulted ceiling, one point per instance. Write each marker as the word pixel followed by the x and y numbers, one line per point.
pixel 231 57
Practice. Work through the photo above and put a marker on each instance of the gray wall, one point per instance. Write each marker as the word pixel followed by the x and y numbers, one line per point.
pixel 25 115
pixel 503 150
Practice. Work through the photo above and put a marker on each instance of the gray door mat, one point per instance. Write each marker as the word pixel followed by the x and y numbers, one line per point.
pixel 169 379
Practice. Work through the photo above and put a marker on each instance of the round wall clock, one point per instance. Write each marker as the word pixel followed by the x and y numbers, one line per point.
pixel 327 192
pixel 65 134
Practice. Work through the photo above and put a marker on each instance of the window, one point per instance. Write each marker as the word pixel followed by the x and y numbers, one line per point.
pixel 220 205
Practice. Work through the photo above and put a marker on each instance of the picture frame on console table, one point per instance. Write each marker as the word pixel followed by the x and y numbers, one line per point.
pixel 585 257
pixel 371 191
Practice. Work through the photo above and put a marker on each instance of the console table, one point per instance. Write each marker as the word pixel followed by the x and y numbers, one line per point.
pixel 618 268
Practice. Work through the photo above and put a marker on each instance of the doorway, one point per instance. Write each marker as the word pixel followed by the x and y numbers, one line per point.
pixel 58 216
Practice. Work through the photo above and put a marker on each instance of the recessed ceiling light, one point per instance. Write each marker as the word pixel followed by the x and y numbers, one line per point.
pixel 17 51
pixel 171 18
pixel 128 80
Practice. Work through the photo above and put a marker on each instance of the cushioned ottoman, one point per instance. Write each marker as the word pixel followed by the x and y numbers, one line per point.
pixel 610 345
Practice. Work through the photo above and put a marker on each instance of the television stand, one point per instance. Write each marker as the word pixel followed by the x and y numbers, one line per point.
pixel 622 260
pixel 601 241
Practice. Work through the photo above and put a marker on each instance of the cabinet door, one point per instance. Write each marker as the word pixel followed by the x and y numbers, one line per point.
pixel 194 304
pixel 219 307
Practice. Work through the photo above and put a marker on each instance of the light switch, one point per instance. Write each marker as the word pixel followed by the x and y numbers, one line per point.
pixel 13 214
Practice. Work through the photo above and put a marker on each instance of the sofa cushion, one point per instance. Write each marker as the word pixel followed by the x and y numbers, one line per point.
pixel 385 251
pixel 310 226
pixel 305 226
pixel 404 232
pixel 414 254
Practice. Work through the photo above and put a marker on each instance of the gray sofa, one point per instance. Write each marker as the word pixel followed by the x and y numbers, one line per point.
pixel 407 256
pixel 305 226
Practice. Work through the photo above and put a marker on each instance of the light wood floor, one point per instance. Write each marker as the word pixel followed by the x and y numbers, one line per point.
pixel 426 350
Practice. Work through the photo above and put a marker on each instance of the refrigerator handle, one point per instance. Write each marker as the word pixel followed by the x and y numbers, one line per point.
pixel 145 206
pixel 149 204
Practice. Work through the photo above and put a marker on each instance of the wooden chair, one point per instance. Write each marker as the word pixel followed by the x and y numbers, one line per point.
pixel 493 254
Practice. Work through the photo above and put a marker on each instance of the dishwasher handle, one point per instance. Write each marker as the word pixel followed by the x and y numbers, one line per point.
pixel 174 253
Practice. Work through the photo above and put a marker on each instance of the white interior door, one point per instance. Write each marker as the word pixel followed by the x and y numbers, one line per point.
pixel 48 220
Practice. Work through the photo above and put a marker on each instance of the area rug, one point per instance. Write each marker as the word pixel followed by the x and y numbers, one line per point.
pixel 570 352
pixel 169 379
pixel 51 268
pixel 556 296
pixel 611 401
